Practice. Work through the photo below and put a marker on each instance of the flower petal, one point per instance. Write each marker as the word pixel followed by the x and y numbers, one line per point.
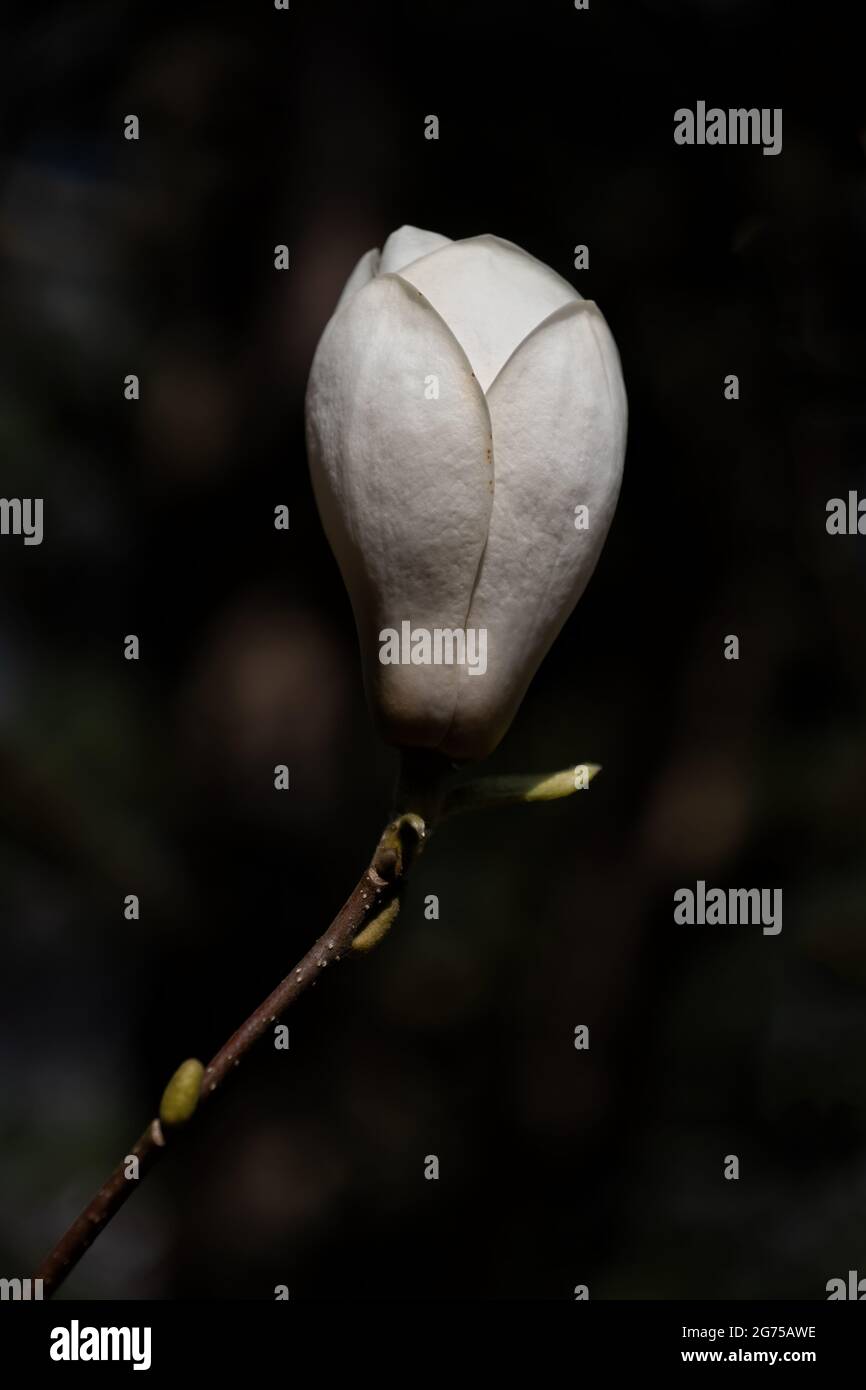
pixel 406 245
pixel 404 486
pixel 363 273
pixel 491 294
pixel 559 415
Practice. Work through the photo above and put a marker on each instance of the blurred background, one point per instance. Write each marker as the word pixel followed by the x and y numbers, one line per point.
pixel 558 1167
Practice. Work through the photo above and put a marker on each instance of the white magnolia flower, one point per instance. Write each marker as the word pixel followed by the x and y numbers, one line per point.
pixel 463 401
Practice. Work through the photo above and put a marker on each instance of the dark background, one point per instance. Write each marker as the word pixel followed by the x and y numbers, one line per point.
pixel 558 1167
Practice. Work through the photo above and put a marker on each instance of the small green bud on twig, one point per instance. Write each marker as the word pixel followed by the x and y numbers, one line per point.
pixel 378 929
pixel 518 790
pixel 180 1097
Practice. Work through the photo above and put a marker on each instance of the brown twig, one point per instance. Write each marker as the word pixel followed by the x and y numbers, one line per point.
pixel 360 925
pixel 373 896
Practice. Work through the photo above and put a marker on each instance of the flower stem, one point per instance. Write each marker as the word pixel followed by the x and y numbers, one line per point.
pixel 378 884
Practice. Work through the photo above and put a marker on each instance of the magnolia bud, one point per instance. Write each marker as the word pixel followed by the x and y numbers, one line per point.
pixel 463 402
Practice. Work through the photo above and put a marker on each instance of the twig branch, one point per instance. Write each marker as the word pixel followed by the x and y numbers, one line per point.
pixel 373 897
pixel 360 925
